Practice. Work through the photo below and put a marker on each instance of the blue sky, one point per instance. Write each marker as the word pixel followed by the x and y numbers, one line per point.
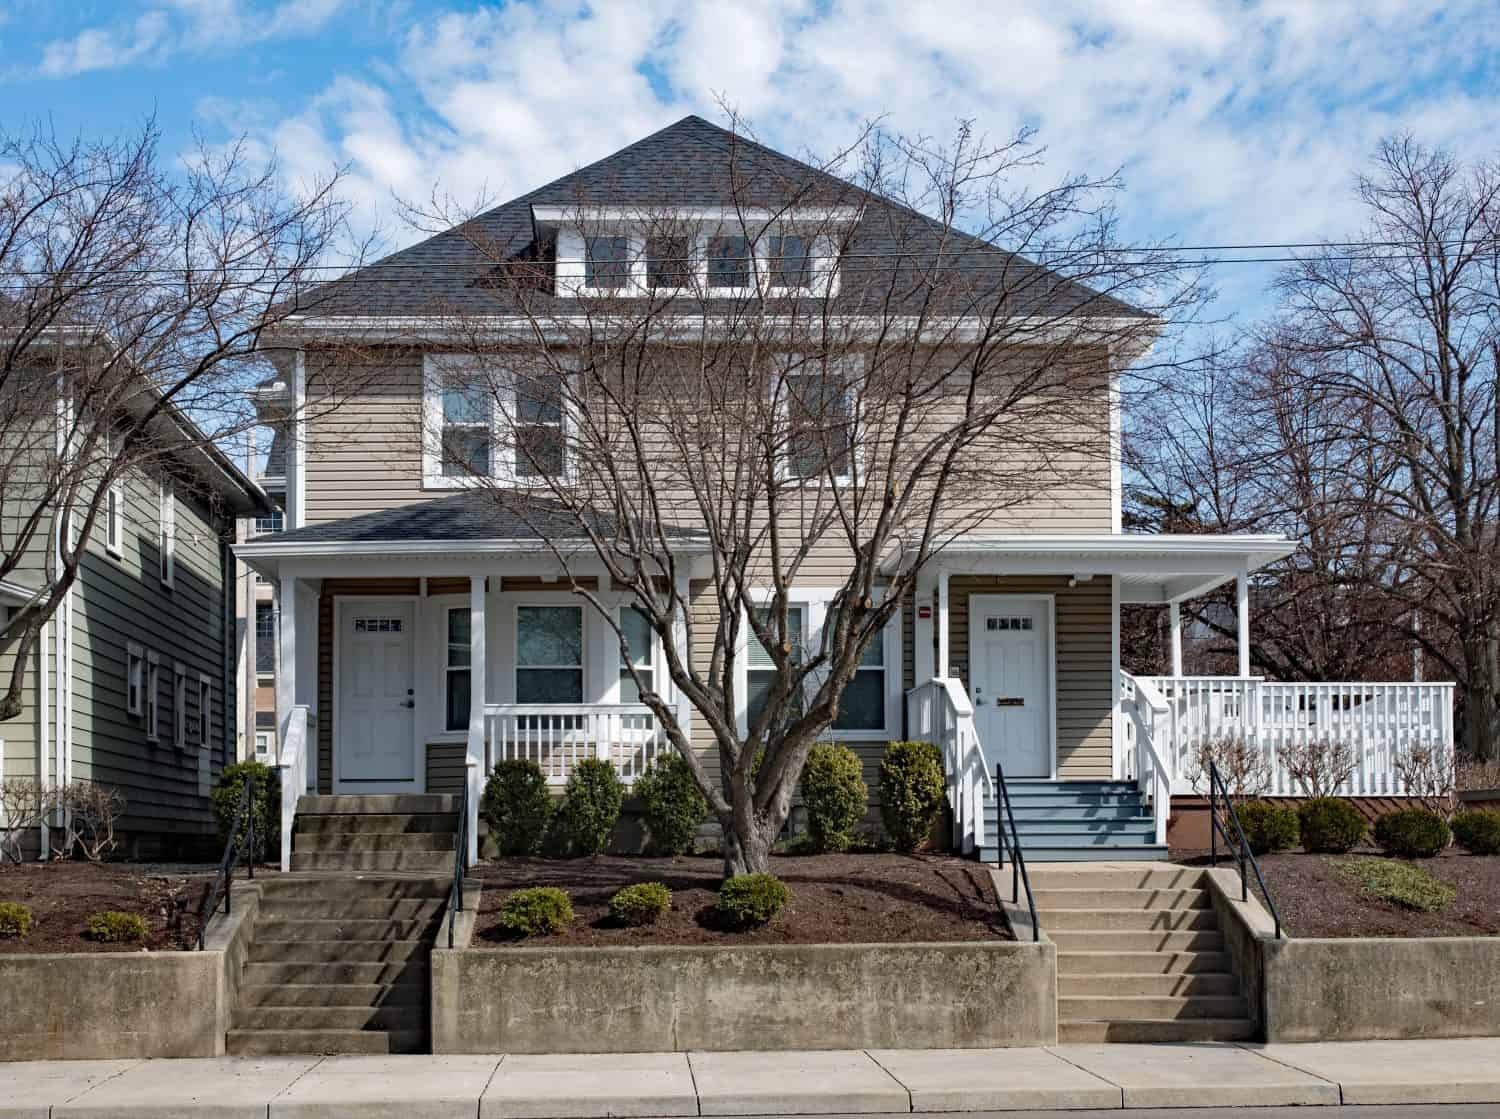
pixel 1231 121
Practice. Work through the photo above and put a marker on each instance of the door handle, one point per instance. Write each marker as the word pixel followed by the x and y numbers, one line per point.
pixel 409 703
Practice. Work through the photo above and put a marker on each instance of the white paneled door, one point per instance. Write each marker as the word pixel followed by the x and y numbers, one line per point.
pixel 1010 668
pixel 377 697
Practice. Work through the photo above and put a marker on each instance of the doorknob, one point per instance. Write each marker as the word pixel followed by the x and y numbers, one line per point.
pixel 409 703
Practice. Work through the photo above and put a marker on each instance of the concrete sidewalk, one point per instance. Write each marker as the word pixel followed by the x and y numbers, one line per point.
pixel 1097 1077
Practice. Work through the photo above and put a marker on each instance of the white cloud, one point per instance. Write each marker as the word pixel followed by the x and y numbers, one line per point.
pixel 104 49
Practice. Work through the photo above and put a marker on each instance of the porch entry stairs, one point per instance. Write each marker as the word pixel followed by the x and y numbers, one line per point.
pixel 1070 821
pixel 338 961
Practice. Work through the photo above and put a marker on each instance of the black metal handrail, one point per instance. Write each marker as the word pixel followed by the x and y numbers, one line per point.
pixel 243 815
pixel 460 858
pixel 1010 844
pixel 1217 792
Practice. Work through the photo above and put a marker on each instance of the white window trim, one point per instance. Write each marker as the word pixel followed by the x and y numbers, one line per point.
pixel 135 665
pixel 153 696
pixel 435 367
pixel 179 705
pixel 617 665
pixel 205 710
pixel 166 512
pixel 815 602
pixel 783 419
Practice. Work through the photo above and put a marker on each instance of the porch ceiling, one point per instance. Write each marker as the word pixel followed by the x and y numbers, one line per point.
pixel 1157 568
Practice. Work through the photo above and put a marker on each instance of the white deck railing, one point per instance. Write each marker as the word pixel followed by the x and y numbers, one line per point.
pixel 941 713
pixel 558 736
pixel 1379 722
pixel 1147 759
pixel 293 771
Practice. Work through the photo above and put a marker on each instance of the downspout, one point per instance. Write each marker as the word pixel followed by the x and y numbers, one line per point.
pixel 44 725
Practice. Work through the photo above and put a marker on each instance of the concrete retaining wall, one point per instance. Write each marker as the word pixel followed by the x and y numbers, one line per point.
pixel 107 1005
pixel 823 996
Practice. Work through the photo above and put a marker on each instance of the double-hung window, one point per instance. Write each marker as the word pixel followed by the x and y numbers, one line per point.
pixel 790 261
pixel 269 525
pixel 820 427
pixel 114 520
pixel 465 436
pixel 457 680
pixel 549 654
pixel 135 679
pixel 606 264
pixel 862 704
pixel 729 262
pixel 179 706
pixel 265 638
pixel 538 426
pixel 166 508
pixel 205 709
pixel 153 697
pixel 669 261
pixel 638 646
pixel 761 670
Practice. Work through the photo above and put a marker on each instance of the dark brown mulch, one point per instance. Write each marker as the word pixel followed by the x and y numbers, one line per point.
pixel 1315 900
pixel 849 899
pixel 62 896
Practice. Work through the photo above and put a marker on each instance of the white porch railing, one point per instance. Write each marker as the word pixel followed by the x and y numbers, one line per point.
pixel 1378 721
pixel 293 772
pixel 1145 760
pixel 941 713
pixel 558 736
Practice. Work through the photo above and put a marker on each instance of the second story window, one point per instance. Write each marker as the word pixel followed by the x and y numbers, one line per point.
pixel 538 427
pixel 265 638
pixel 167 532
pixel 820 428
pixel 607 262
pixel 729 263
pixel 790 262
pixel 268 526
pixel 669 261
pixel 493 418
pixel 466 431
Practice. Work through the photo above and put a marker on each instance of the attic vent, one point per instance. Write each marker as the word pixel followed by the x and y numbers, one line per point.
pixel 1012 622
pixel 377 625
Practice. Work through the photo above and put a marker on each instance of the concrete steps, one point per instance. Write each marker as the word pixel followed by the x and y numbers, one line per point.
pixel 1140 955
pixel 339 958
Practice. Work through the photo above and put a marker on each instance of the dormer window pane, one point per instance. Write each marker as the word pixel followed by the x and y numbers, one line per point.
pixel 608 262
pixel 728 262
pixel 790 261
pixel 669 261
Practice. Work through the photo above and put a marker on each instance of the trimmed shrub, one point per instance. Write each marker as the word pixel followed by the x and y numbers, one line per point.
pixel 1329 826
pixel 749 900
pixel 517 807
pixel 834 795
pixel 911 792
pixel 640 904
pixel 671 805
pixel 1399 883
pixel 1412 833
pixel 536 911
pixel 265 801
pixel 591 806
pixel 1268 827
pixel 114 927
pixel 15 919
pixel 1478 833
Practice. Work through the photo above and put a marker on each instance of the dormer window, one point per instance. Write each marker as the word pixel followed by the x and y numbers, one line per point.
pixel 669 261
pixel 607 264
pixel 789 261
pixel 729 262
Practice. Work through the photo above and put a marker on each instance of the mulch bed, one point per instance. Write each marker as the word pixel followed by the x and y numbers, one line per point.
pixel 1315 900
pixel 63 895
pixel 848 899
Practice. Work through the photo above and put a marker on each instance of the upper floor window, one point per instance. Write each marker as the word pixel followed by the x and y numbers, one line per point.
pixel 607 262
pixel 269 525
pixel 167 531
pixel 265 638
pixel 729 262
pixel 538 426
pixel 669 260
pixel 820 427
pixel 485 420
pixel 789 261
pixel 466 431
pixel 114 503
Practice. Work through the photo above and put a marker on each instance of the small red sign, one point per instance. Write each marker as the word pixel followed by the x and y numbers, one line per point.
pixel 924 612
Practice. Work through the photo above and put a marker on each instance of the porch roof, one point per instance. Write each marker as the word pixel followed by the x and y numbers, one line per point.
pixel 1153 568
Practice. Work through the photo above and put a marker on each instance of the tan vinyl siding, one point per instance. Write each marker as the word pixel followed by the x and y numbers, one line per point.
pixel 1085 692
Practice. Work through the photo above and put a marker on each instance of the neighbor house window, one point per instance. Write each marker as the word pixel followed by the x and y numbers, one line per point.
pixel 638 642
pixel 607 261
pixel 167 531
pixel 761 672
pixel 265 638
pixel 669 261
pixel 790 261
pixel 862 706
pixel 820 427
pixel 135 679
pixel 456 675
pixel 549 654
pixel 537 427
pixel 268 525
pixel 179 706
pixel 465 436
pixel 153 697
pixel 728 262
pixel 114 520
pixel 205 709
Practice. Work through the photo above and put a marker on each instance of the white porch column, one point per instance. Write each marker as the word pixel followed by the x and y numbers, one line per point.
pixel 924 657
pixel 1174 619
pixel 284 595
pixel 1242 601
pixel 474 757
pixel 942 622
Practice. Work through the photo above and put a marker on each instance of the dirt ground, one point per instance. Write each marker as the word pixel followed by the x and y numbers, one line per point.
pixel 1315 900
pixel 850 899
pixel 62 896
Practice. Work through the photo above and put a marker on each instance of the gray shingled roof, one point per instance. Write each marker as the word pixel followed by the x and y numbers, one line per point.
pixel 476 515
pixel 689 163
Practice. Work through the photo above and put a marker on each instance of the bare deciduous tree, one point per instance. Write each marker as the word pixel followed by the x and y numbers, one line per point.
pixel 1243 767
pixel 1319 765
pixel 23 803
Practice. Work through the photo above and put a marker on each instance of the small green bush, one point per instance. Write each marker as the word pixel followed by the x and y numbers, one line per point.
pixel 265 800
pixel 591 806
pixel 1412 833
pixel 640 904
pixel 1478 832
pixel 113 927
pixel 749 900
pixel 834 795
pixel 1268 827
pixel 671 805
pixel 1330 825
pixel 15 919
pixel 536 911
pixel 911 792
pixel 517 807
pixel 1399 883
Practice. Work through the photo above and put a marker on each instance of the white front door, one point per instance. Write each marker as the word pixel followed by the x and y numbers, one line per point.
pixel 1010 670
pixel 376 718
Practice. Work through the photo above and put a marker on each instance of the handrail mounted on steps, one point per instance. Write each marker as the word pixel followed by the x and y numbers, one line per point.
pixel 1218 792
pixel 244 815
pixel 460 858
pixel 1010 846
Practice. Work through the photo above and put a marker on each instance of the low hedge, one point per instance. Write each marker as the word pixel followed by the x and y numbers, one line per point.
pixel 672 807
pixel 15 919
pixel 517 807
pixel 592 800
pixel 1330 826
pixel 1412 833
pixel 748 900
pixel 114 927
pixel 834 795
pixel 911 792
pixel 536 911
pixel 1268 827
pixel 640 904
pixel 1478 832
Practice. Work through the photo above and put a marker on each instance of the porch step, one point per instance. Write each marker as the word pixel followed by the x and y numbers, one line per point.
pixel 1080 963
pixel 1141 985
pixel 332 994
pixel 430 861
pixel 345 928
pixel 346 804
pixel 1069 821
pixel 1070 940
pixel 386 823
pixel 316 841
pixel 1079 853
pixel 1119 1008
pixel 1048 898
pixel 1129 920
pixel 1155 1030
pixel 1071 810
pixel 269 1043
pixel 338 951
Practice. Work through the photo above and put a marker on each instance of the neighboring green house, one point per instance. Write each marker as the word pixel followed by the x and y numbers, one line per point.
pixel 132 683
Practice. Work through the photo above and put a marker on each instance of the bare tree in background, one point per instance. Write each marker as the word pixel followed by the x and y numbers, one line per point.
pixel 821 400
pixel 134 291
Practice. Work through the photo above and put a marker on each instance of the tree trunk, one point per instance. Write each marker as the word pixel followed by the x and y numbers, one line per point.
pixel 1481 701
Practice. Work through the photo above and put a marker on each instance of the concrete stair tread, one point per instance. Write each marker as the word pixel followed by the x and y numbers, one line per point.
pixel 372 860
pixel 338 951
pixel 1090 1030
pixel 1086 962
pixel 409 1016
pixel 360 841
pixel 258 1043
pixel 1149 1008
pixel 1128 920
pixel 404 823
pixel 337 973
pixel 1152 899
pixel 366 909
pixel 331 994
pixel 371 804
pixel 1147 985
